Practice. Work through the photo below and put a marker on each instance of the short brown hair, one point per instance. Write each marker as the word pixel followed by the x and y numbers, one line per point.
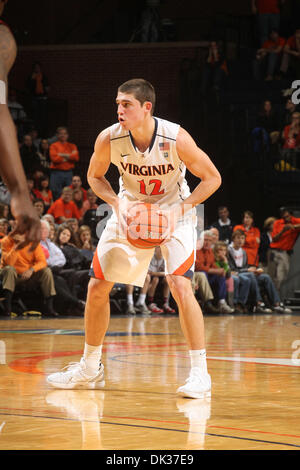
pixel 218 245
pixel 140 89
pixel 237 233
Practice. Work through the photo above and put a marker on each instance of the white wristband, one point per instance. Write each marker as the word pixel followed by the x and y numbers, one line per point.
pixel 2 92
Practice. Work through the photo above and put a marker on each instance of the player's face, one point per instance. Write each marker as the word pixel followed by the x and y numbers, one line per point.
pixel 130 112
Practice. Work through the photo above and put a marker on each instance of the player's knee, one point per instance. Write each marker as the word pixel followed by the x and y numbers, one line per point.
pixel 180 287
pixel 99 290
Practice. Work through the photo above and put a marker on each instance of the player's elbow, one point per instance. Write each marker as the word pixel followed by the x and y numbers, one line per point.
pixel 217 180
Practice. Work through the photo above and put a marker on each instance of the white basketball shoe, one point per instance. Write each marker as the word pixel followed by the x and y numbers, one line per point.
pixel 197 385
pixel 74 376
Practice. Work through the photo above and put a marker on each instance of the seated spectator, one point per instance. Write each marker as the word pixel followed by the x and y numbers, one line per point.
pixel 63 156
pixel 74 225
pixel 56 261
pixel 75 260
pixel 90 202
pixel 39 206
pixel 157 274
pixel 268 57
pixel 252 238
pixel 77 198
pixel 291 142
pixel 203 292
pixel 140 306
pixel 30 184
pixel 205 262
pixel 85 242
pixel 50 219
pixel 29 157
pixel 215 236
pixel 265 240
pixel 259 281
pixel 220 253
pixel 291 55
pixel 17 111
pixel 284 235
pixel 4 211
pixel 20 266
pixel 77 184
pixel 85 238
pixel 215 68
pixel 64 208
pixel 266 131
pixel 42 191
pixel 43 154
pixel 4 226
pixel 224 224
pixel 287 113
pixel 34 134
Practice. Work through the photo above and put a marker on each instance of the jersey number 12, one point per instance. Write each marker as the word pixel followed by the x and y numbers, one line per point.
pixel 156 191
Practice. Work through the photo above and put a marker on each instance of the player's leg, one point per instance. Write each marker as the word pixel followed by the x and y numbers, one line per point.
pixel 129 296
pixel 89 372
pixel 166 295
pixel 198 383
pixel 151 294
pixel 141 301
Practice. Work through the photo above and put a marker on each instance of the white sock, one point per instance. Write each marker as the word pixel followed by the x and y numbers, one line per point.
pixel 198 359
pixel 130 299
pixel 141 299
pixel 92 356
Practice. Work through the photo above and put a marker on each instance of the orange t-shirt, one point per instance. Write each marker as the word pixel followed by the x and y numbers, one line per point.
pixel 57 161
pixel 269 44
pixel 47 199
pixel 267 6
pixel 287 240
pixel 251 246
pixel 292 43
pixel 22 259
pixel 61 209
pixel 205 260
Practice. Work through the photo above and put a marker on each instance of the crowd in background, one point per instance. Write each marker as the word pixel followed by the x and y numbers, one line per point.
pixel 238 268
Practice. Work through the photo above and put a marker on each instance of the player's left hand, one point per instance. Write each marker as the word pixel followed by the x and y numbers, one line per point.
pixel 27 222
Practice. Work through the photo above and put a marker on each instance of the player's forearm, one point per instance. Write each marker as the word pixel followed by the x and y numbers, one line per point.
pixel 202 192
pixel 11 168
pixel 103 189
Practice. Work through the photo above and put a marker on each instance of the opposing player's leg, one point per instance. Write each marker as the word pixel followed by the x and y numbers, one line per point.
pixel 89 372
pixel 198 384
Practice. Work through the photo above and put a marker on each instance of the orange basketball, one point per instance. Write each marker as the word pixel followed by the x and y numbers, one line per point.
pixel 146 226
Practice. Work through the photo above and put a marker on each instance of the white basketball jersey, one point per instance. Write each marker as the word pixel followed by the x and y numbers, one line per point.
pixel 154 176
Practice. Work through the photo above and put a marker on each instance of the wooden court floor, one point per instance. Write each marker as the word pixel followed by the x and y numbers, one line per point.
pixel 253 361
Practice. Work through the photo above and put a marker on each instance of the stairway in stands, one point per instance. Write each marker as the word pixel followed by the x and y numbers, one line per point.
pixel 294 302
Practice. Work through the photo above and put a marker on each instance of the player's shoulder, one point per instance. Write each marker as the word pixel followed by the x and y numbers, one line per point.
pixel 110 133
pixel 167 129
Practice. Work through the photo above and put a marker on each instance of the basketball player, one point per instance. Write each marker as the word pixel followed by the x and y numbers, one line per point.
pixel 142 146
pixel 11 168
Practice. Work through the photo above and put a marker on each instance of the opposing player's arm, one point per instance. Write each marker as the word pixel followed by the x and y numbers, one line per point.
pixel 11 167
pixel 98 167
pixel 8 52
pixel 200 165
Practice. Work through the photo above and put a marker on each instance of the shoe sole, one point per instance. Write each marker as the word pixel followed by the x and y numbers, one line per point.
pixel 74 386
pixel 183 394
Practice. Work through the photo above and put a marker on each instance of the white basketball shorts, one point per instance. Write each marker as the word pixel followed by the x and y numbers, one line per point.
pixel 116 260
